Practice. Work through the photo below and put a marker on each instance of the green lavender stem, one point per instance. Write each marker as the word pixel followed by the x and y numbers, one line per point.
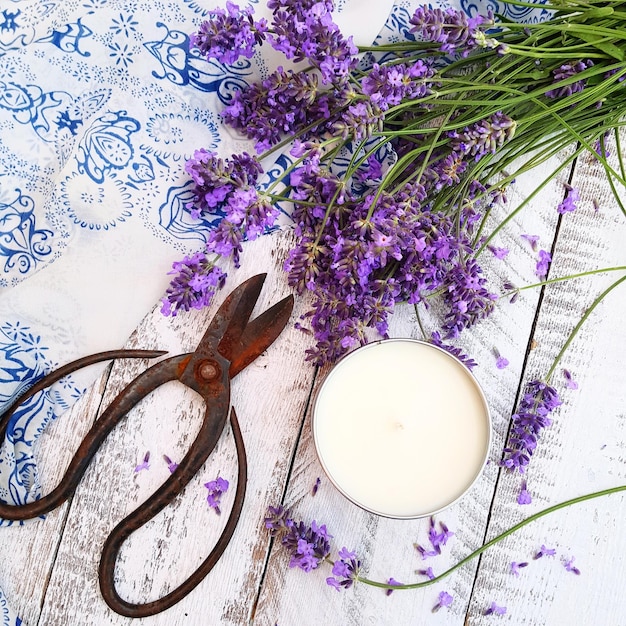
pixel 578 326
pixel 561 279
pixel 500 537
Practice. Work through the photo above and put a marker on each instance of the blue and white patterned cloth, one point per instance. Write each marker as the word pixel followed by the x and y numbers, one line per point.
pixel 101 103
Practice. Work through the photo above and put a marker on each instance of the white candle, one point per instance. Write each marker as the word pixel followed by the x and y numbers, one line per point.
pixel 401 428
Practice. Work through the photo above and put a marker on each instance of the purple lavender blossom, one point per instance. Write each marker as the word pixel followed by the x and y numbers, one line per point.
pixel 229 34
pixel 451 28
pixel 196 282
pixel 216 488
pixel 543 264
pixel 428 572
pixel 515 567
pixel 499 253
pixel 171 465
pixel 388 86
pixel 316 485
pixel 345 570
pixel 227 184
pixel 277 520
pixel 277 106
pixel 436 538
pixel 570 567
pixel 307 546
pixel 444 600
pixel 524 496
pixel 216 178
pixel 484 137
pixel 467 297
pixel 426 553
pixel 359 121
pixel 393 582
pixel 533 240
pixel 544 551
pixel 501 362
pixel 494 609
pixel 530 419
pixel 145 464
pixel 567 70
pixel 468 361
pixel 570 383
pixel 305 30
pixel 600 146
pixel 569 202
pixel 511 290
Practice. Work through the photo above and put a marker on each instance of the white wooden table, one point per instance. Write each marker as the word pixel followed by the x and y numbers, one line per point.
pixel 49 569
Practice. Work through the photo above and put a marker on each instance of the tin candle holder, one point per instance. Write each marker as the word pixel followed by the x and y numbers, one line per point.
pixel 402 428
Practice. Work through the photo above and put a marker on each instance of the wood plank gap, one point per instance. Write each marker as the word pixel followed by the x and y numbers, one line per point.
pixel 533 328
pixel 520 387
pixel 270 545
pixel 106 376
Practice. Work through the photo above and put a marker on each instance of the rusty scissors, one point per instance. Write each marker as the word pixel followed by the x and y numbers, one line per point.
pixel 230 343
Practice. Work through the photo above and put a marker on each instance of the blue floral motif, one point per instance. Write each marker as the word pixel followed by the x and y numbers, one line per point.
pixel 9 22
pixel 6 615
pixel 142 172
pixel 106 145
pixel 183 66
pixel 170 134
pixel 49 113
pixel 22 244
pixel 517 13
pixel 96 205
pixel 69 38
pixel 274 173
pixel 22 358
pixel 200 8
pixel 124 25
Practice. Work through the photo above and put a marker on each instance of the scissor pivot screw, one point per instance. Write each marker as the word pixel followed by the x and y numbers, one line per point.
pixel 208 370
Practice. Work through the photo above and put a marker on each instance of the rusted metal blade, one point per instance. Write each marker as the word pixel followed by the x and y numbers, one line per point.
pixel 259 335
pixel 231 318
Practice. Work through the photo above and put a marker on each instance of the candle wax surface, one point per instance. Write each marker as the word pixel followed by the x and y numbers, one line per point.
pixel 401 427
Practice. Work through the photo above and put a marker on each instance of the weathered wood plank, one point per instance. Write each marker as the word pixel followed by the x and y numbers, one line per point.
pixel 386 546
pixel 583 449
pixel 269 396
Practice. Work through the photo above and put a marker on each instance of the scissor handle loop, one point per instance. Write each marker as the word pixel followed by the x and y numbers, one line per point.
pixel 120 533
pixel 96 435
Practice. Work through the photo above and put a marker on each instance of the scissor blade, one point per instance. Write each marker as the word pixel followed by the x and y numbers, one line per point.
pixel 231 318
pixel 247 295
pixel 259 335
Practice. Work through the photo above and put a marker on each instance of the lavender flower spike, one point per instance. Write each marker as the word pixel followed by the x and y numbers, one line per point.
pixel 530 419
pixel 229 34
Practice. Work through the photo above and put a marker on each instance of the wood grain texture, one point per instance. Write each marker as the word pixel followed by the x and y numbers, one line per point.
pixel 580 452
pixel 49 570
pixel 387 546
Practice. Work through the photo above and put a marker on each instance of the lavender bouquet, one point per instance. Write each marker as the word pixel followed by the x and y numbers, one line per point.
pixel 392 157
pixel 397 155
